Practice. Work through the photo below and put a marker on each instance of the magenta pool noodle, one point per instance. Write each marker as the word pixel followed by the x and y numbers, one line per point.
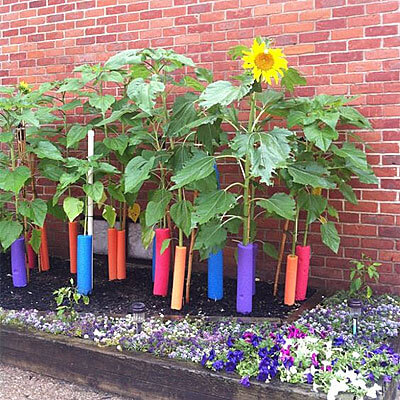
pixel 18 267
pixel 84 264
pixel 303 266
pixel 255 251
pixel 245 278
pixel 216 276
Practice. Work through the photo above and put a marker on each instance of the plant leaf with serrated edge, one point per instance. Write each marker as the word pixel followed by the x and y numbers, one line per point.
pixel 208 205
pixel 156 208
pixel 109 215
pixel 348 192
pixel 136 172
pixel 147 232
pixel 210 238
pixel 12 181
pixel 47 150
pixel 291 78
pixel 10 231
pixel 94 191
pixel 314 204
pixel 310 173
pixel 76 134
pixel 72 207
pixel 181 213
pixel 36 240
pixel 103 103
pixel 165 245
pixel 321 137
pixel 34 210
pixel 280 204
pixel 330 236
pixel 271 250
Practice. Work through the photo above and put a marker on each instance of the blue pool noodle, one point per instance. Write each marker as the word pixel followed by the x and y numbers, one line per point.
pixel 153 261
pixel 216 265
pixel 84 264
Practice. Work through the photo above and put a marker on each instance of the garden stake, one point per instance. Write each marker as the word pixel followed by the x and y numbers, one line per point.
pixel 281 250
pixel 190 263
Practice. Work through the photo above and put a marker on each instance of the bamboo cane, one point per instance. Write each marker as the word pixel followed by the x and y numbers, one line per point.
pixel 280 258
pixel 190 263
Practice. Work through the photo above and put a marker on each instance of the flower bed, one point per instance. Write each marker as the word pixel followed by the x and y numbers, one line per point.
pixel 318 349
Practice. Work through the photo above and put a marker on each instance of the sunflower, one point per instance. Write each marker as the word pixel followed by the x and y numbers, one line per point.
pixel 24 87
pixel 266 63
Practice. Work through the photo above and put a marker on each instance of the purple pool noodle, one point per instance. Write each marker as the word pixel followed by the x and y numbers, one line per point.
pixel 245 278
pixel 255 251
pixel 18 267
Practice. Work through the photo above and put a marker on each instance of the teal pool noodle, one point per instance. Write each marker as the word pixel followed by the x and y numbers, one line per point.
pixel 84 264
pixel 216 276
pixel 153 260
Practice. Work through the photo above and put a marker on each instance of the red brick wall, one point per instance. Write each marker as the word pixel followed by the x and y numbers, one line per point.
pixel 343 47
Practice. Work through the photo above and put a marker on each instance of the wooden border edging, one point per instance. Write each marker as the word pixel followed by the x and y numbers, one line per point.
pixel 140 376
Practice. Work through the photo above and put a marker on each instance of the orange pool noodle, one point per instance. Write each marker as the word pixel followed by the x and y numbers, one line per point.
pixel 44 250
pixel 290 281
pixel 179 277
pixel 73 235
pixel 112 254
pixel 121 262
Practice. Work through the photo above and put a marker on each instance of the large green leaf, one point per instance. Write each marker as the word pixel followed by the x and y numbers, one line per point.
pixel 352 155
pixel 207 134
pixel 118 143
pixel 103 103
pixel 147 232
pixel 269 96
pixel 9 232
pixel 14 180
pixel 322 137
pixel 6 137
pixel 56 210
pixel 291 78
pixel 209 205
pixel 109 215
pixel 224 93
pixel 34 210
pixel 352 116
pixel 271 250
pixel 136 172
pixel 330 236
pixel 193 83
pixel 210 238
pixel 123 58
pixel 183 113
pixel 314 204
pixel 348 192
pixel 197 168
pixel 45 149
pixel 72 207
pixel 280 204
pixel 115 192
pixel 76 134
pixel 156 208
pixel 310 173
pixel 181 214
pixel 144 93
pixel 71 85
pixel 50 169
pixel 94 191
pixel 36 240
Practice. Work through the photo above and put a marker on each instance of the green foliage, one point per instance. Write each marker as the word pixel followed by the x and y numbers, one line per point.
pixel 362 270
pixel 67 299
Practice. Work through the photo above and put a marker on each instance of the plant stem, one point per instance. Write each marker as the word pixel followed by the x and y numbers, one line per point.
pixel 305 232
pixel 296 225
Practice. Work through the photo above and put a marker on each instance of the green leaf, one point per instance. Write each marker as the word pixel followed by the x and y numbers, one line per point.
pixel 330 236
pixel 181 215
pixel 321 137
pixel 76 134
pixel 314 204
pixel 295 117
pixel 210 238
pixel 10 231
pixel 71 105
pixel 123 58
pixel 45 149
pixel 348 192
pixel 34 210
pixel 352 155
pixel 103 103
pixel 36 240
pixel 365 176
pixel 224 93
pixel 269 97
pixel 144 94
pixel 112 76
pixel 147 232
pixel 291 78
pixel 116 193
pixel 6 137
pixel 209 205
pixel 310 173
pixel 50 169
pixel 197 168
pixel 165 245
pixel 139 71
pixel 183 113
pixel 29 117
pixel 71 85
pixel 94 191
pixel 193 83
pixel 118 143
pixel 136 172
pixel 72 207
pixel 204 74
pixel 333 212
pixel 109 215
pixel 13 181
pixel 156 208
pixel 330 118
pixel 280 204
pixel 56 210
pixel 351 116
pixel 237 51
pixel 271 250
pixel 369 292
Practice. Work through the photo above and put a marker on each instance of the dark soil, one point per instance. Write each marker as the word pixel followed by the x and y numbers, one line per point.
pixel 116 297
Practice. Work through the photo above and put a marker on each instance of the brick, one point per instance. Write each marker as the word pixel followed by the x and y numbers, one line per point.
pixel 265 10
pixel 313 37
pixel 365 66
pixel 347 33
pixel 373 19
pixel 300 49
pixel 199 8
pixel 377 219
pixel 116 10
pixel 362 44
pixel 348 11
pixel 347 56
pixel 313 15
pixel 212 17
pixel 329 47
pixel 382 6
pixel 283 18
pixel 298 5
pixel 382 76
pixel 331 24
pixel 329 3
pixel 381 30
pixel 153 14
pixel 252 22
pixel 227 4
pixel 299 27
pixel 186 20
pixel 38 3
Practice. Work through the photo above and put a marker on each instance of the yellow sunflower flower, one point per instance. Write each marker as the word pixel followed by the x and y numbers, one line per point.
pixel 266 63
pixel 24 87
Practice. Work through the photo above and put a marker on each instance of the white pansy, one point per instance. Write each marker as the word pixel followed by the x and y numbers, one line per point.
pixel 373 390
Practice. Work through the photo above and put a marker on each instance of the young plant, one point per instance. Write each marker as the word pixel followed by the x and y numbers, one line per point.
pixel 362 269
pixel 67 299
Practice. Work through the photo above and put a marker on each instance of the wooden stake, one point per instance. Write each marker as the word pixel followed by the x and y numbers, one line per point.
pixel 190 263
pixel 280 258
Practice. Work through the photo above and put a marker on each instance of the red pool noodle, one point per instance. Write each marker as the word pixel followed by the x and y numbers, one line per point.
pixel 112 254
pixel 303 266
pixel 73 236
pixel 30 254
pixel 121 259
pixel 162 263
pixel 44 251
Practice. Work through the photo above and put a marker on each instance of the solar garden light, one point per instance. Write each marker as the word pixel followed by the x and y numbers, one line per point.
pixel 355 306
pixel 139 315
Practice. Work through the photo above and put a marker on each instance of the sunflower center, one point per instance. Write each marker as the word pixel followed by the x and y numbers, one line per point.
pixel 264 61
